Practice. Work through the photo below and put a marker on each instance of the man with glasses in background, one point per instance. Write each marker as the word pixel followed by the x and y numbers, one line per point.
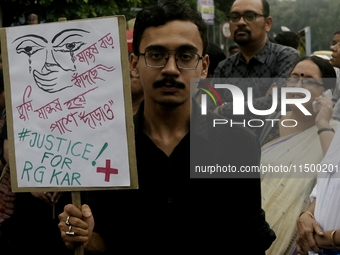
pixel 258 57
pixel 172 213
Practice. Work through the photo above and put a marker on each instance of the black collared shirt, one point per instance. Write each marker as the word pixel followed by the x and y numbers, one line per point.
pixel 171 212
pixel 272 63
pixel 273 60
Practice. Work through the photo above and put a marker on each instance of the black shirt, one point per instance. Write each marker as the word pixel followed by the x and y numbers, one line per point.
pixel 170 212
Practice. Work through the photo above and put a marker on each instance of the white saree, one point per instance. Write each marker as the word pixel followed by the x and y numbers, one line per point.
pixel 286 194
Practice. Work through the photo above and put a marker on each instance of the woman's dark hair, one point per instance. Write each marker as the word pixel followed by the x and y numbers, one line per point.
pixel 327 71
pixel 163 12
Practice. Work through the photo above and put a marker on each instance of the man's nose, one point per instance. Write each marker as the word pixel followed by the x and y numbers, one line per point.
pixel 241 21
pixel 171 65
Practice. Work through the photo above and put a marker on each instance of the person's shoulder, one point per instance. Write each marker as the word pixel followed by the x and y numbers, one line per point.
pixel 282 58
pixel 282 49
pixel 229 59
pixel 226 64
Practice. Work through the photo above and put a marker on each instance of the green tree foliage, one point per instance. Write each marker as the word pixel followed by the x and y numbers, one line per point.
pixel 322 16
pixel 16 11
pixel 52 10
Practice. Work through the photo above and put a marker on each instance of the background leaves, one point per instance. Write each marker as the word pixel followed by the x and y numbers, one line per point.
pixel 322 16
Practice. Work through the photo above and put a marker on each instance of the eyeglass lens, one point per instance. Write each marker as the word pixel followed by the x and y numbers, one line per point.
pixel 248 16
pixel 304 82
pixel 159 58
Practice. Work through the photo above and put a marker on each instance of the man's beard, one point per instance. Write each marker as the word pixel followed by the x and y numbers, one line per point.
pixel 242 40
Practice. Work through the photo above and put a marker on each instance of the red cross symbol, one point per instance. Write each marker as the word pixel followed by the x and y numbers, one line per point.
pixel 107 170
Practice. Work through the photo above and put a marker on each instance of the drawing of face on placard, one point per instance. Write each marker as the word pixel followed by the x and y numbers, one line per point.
pixel 51 58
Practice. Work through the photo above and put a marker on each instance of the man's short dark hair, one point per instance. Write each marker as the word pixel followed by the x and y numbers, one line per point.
pixel 288 38
pixel 266 9
pixel 163 12
pixel 233 49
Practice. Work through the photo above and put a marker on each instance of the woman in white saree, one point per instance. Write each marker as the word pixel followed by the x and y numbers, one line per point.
pixel 295 152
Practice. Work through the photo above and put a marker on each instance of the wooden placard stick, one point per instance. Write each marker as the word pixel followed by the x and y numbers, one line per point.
pixel 79 249
pixel 76 200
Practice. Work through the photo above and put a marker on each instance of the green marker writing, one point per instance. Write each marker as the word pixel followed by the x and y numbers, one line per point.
pixel 100 153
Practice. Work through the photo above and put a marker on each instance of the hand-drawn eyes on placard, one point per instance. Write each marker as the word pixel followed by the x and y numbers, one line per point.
pixel 49 60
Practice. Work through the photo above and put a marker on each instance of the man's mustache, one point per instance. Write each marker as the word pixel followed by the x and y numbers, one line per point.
pixel 169 80
pixel 242 29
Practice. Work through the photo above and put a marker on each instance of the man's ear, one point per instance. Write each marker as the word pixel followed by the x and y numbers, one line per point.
pixel 133 65
pixel 205 66
pixel 268 23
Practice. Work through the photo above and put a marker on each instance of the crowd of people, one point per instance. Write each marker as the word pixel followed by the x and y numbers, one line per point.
pixel 263 212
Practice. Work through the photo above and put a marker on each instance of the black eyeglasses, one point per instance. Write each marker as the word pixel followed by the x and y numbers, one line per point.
pixel 247 16
pixel 305 82
pixel 185 60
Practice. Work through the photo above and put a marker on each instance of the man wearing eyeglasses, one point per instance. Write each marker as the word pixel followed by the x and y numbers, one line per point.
pixel 170 212
pixel 258 58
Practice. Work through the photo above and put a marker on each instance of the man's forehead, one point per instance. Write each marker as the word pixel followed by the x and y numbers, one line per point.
pixel 174 26
pixel 172 35
pixel 247 5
